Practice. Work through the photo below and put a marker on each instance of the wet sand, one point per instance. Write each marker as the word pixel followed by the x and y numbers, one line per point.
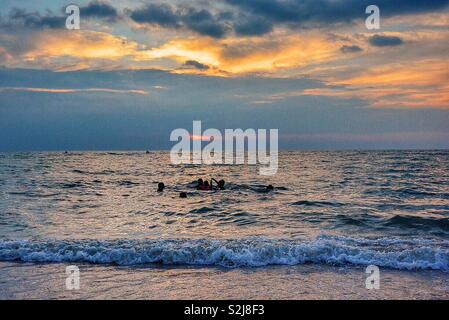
pixel 47 281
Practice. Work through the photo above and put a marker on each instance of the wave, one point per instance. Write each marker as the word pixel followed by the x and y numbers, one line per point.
pixel 418 222
pixel 311 203
pixel 413 254
pixel 430 224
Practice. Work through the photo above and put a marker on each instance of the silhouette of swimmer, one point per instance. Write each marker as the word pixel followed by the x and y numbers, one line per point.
pixel 206 186
pixel 160 187
pixel 220 184
pixel 200 183
pixel 183 195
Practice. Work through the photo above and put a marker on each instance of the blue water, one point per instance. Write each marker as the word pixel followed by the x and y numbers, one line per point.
pixel 388 208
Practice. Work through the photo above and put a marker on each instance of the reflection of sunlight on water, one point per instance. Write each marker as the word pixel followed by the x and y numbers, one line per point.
pixel 113 195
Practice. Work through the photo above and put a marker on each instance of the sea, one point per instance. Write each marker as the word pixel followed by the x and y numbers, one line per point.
pixel 332 217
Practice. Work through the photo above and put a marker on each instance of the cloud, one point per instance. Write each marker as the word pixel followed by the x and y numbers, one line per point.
pixel 196 64
pixel 350 49
pixel 86 90
pixel 63 50
pixel 252 26
pixel 422 84
pixel 34 20
pixel 239 56
pixel 203 22
pixel 259 17
pixel 20 17
pixel 304 13
pixel 99 9
pixel 85 44
pixel 385 41
pixel 238 17
pixel 159 14
pixel 246 18
pixel 164 15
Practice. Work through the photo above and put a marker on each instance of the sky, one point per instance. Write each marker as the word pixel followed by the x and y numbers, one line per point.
pixel 136 70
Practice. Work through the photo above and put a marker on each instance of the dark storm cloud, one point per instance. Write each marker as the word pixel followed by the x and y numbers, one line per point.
pixel 20 17
pixel 322 12
pixel 258 17
pixel 23 18
pixel 196 64
pixel 160 14
pixel 99 9
pixel 244 17
pixel 385 41
pixel 252 26
pixel 203 22
pixel 200 21
pixel 350 49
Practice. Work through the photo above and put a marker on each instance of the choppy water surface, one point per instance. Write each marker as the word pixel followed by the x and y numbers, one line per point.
pixel 357 208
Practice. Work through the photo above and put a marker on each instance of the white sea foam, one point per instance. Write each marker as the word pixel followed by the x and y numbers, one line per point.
pixel 410 254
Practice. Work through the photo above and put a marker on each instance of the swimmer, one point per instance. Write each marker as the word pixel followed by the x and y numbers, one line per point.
pixel 220 184
pixel 200 184
pixel 205 186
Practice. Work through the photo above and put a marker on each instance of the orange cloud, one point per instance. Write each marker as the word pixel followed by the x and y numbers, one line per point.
pixel 84 45
pixel 414 74
pixel 64 50
pixel 240 56
pixel 421 84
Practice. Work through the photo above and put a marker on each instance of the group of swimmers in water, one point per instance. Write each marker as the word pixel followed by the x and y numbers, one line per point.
pixel 204 185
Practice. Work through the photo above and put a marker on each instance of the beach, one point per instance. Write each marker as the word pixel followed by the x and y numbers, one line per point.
pixel 310 282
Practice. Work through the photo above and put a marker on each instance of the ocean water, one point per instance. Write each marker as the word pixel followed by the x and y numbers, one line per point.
pixel 330 215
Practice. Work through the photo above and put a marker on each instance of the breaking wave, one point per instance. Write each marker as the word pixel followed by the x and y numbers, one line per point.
pixel 393 253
